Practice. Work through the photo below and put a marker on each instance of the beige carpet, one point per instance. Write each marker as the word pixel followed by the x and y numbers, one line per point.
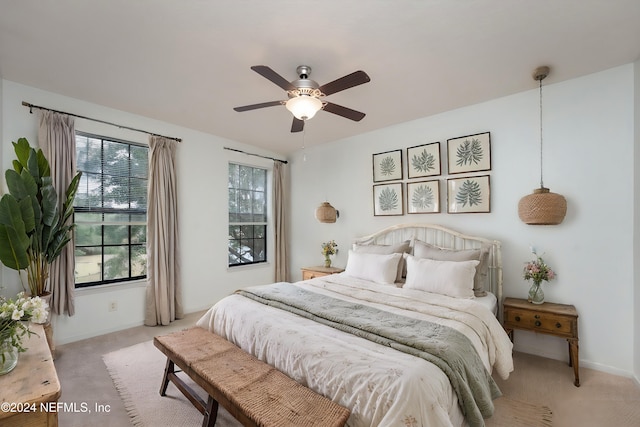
pixel 137 374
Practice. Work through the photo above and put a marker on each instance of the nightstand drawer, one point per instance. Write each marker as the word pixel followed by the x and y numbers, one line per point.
pixel 310 274
pixel 313 272
pixel 536 321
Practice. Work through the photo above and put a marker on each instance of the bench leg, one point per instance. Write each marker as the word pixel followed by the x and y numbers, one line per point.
pixel 192 396
pixel 211 413
pixel 168 369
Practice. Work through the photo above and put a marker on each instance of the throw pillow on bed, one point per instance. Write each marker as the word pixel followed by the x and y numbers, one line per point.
pixel 400 248
pixel 377 268
pixel 452 278
pixel 425 250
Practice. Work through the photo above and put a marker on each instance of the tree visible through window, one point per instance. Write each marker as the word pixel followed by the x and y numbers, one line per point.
pixel 110 211
pixel 247 215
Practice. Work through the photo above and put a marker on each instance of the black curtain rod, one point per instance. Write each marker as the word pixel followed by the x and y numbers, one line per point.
pixel 257 155
pixel 31 107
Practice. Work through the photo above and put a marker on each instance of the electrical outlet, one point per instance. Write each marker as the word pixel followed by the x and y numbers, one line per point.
pixel 113 306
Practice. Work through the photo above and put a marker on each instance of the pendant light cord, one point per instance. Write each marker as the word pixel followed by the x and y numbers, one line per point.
pixel 541 183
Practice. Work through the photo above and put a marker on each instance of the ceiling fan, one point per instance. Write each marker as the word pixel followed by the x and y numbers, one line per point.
pixel 305 95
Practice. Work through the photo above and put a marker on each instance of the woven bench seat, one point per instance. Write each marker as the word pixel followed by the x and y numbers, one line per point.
pixel 253 392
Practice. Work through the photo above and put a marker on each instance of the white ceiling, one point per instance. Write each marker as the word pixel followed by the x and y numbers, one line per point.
pixel 187 62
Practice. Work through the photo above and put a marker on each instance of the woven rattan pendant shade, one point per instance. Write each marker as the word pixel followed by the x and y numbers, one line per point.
pixel 326 213
pixel 542 207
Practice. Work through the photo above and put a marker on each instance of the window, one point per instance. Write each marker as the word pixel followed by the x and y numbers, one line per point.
pixel 110 211
pixel 247 215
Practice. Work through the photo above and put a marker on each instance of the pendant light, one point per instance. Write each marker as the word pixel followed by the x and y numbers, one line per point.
pixel 326 213
pixel 542 207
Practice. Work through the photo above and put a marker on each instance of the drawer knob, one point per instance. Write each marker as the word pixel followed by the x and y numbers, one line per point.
pixel 558 325
pixel 517 318
pixel 538 323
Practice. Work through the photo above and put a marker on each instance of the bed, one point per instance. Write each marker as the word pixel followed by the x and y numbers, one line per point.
pixel 407 336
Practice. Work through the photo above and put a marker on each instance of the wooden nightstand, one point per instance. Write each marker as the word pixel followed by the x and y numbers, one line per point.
pixel 548 318
pixel 313 272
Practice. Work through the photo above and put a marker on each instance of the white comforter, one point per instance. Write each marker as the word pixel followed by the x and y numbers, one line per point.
pixel 381 386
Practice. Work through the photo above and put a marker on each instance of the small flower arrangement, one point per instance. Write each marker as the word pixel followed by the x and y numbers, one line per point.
pixel 538 270
pixel 14 316
pixel 329 248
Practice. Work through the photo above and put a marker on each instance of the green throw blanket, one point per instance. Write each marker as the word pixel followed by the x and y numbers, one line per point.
pixel 445 347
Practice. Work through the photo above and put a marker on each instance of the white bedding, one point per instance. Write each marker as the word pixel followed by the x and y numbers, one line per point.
pixel 381 386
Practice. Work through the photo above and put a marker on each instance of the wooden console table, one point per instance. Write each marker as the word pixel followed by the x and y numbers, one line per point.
pixel 30 391
pixel 560 320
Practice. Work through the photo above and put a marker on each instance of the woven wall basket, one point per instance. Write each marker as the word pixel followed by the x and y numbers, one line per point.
pixel 542 207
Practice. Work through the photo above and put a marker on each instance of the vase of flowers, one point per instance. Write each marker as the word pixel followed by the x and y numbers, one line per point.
pixel 537 271
pixel 14 316
pixel 329 248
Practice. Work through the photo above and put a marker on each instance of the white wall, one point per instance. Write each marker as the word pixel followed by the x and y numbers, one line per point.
pixel 202 181
pixel 588 158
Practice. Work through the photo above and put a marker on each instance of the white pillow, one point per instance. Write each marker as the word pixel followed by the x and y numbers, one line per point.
pixel 403 247
pixel 452 278
pixel 377 268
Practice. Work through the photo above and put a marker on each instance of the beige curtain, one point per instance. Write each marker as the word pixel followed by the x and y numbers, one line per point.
pixel 164 290
pixel 57 139
pixel 280 205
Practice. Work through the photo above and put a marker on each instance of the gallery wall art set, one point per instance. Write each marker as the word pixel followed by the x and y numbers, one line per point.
pixel 467 192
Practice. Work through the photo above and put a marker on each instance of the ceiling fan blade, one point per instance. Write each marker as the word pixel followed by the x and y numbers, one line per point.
pixel 274 77
pixel 256 106
pixel 344 111
pixel 350 80
pixel 297 125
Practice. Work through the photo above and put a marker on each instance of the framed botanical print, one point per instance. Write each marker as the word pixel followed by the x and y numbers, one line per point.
pixel 388 199
pixel 471 153
pixel 423 197
pixel 387 166
pixel 423 160
pixel 468 195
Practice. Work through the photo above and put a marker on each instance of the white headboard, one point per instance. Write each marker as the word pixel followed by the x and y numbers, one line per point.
pixel 444 238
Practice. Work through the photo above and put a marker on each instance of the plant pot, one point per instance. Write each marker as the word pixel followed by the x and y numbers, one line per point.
pixel 8 357
pixel 48 327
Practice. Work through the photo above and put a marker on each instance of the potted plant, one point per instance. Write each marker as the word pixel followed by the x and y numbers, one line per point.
pixel 33 229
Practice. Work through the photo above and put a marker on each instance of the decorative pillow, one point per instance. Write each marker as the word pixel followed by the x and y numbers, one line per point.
pixel 452 278
pixel 377 268
pixel 481 279
pixel 388 249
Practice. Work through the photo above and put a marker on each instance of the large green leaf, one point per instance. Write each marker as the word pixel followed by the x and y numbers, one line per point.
pixel 67 207
pixel 12 255
pixel 14 239
pixel 49 201
pixel 43 164
pixel 22 149
pixel 27 214
pixel 21 185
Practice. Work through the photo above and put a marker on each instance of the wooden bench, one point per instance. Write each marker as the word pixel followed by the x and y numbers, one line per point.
pixel 253 392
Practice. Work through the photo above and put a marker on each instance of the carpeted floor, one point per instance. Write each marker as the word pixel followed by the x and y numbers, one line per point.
pixel 602 400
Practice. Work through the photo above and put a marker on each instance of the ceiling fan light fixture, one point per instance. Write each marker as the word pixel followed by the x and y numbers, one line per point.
pixel 304 107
